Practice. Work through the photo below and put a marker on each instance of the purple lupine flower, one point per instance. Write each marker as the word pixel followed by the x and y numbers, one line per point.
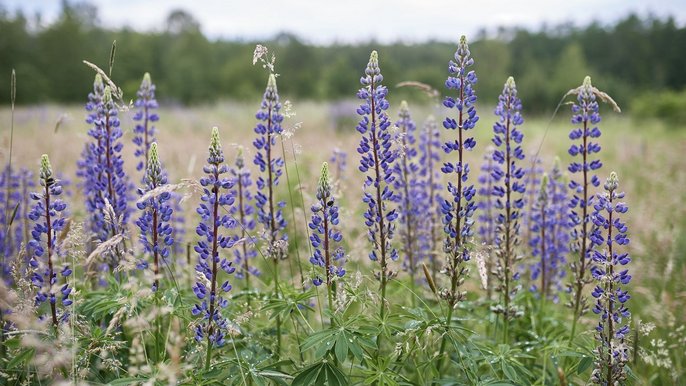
pixel 585 115
pixel 87 165
pixel 508 191
pixel 408 191
pixel 611 276
pixel 178 223
pixel 27 184
pixel 429 147
pixel 102 169
pixel 550 234
pixel 487 214
pixel 208 289
pixel 376 162
pixel 269 211
pixel 244 212
pixel 339 161
pixel 145 118
pixel 532 182
pixel 11 199
pixel 458 209
pixel 48 218
pixel 156 213
pixel 326 239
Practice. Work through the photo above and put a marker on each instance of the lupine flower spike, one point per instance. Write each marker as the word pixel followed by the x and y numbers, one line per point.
pixel 178 222
pixel 541 223
pixel 339 160
pixel 376 162
pixel 609 234
pixel 487 215
pixel 244 212
pixel 209 289
pixel 458 208
pixel 325 238
pixel 508 192
pixel 532 181
pixel 429 148
pixel 145 118
pixel 154 223
pixel 269 211
pixel 47 215
pixel 102 169
pixel 11 234
pixel 585 117
pixel 27 184
pixel 408 192
pixel 550 234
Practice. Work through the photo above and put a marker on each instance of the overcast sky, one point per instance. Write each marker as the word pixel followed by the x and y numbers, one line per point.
pixel 326 21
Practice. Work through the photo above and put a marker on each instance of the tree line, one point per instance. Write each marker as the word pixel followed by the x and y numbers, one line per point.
pixel 634 56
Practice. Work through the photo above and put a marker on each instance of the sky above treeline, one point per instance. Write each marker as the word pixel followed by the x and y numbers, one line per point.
pixel 354 21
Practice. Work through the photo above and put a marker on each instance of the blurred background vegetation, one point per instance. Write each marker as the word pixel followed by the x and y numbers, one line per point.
pixel 640 61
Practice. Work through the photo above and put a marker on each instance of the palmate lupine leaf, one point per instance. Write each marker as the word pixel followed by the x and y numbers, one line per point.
pixel 290 302
pixel 322 373
pixel 340 341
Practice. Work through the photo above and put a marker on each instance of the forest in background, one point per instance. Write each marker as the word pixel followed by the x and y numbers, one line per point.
pixel 639 60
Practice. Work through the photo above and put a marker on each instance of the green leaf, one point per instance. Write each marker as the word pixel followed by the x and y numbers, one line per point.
pixel 24 356
pixel 127 381
pixel 307 376
pixel 356 349
pixel 335 376
pixel 320 374
pixel 341 348
pixel 509 372
pixel 585 363
pixel 319 338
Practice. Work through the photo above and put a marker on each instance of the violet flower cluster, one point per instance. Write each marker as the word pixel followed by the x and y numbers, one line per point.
pixel 487 214
pixel 101 168
pixel 550 234
pixel 458 208
pixel 377 158
pixel 12 196
pixel 145 118
pixel 585 117
pixel 156 213
pixel 86 170
pixel 49 222
pixel 244 212
pixel 611 276
pixel 430 183
pixel 325 238
pixel 508 191
pixel 178 223
pixel 208 289
pixel 408 191
pixel 339 161
pixel 269 212
pixel 532 182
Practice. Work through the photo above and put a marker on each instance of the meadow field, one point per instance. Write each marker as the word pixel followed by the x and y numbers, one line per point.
pixel 648 157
